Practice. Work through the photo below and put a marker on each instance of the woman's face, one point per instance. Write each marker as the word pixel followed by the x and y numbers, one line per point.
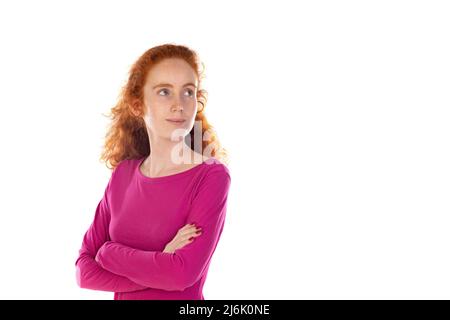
pixel 170 93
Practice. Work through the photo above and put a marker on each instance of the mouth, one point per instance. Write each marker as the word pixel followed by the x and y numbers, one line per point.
pixel 176 121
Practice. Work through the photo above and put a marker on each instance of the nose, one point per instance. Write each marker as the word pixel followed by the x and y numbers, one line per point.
pixel 177 107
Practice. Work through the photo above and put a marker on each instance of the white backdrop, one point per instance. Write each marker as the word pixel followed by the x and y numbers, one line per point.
pixel 335 113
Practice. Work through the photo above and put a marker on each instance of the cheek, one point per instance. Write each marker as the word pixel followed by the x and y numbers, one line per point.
pixel 153 116
pixel 192 108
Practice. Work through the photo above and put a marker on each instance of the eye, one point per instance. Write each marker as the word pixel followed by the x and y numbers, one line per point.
pixel 162 91
pixel 191 93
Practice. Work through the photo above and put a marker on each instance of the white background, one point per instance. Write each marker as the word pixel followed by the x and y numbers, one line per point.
pixel 335 113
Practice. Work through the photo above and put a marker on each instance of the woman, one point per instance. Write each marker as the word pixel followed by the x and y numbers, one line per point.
pixel 163 209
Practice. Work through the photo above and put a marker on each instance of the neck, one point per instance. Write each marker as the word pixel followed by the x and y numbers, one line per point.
pixel 167 155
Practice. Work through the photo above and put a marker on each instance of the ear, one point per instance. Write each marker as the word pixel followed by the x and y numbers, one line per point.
pixel 135 108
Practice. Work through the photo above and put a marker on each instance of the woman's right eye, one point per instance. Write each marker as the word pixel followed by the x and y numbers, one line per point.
pixel 163 90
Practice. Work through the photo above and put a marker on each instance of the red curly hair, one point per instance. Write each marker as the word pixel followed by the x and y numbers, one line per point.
pixel 127 136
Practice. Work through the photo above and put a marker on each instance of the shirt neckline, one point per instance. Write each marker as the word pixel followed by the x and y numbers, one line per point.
pixel 170 177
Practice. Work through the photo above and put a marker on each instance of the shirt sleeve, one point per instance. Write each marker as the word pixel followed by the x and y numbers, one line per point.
pixel 184 267
pixel 89 274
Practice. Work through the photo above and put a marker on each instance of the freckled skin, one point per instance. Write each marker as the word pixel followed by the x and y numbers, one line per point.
pixel 175 100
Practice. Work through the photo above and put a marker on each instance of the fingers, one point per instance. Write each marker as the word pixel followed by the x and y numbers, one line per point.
pixel 192 234
pixel 187 226
pixel 186 241
pixel 187 237
pixel 187 230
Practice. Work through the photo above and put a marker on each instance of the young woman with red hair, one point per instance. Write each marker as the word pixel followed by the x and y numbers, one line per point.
pixel 163 210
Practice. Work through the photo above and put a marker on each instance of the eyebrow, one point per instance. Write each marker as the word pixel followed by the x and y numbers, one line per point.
pixel 169 85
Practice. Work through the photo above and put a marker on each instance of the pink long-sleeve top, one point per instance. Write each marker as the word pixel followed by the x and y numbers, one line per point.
pixel 137 216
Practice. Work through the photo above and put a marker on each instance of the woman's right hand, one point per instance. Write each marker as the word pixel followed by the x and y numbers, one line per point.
pixel 183 237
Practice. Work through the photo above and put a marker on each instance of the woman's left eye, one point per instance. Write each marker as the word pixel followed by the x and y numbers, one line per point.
pixel 191 93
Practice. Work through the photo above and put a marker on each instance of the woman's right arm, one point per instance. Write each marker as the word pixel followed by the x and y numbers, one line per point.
pixel 89 274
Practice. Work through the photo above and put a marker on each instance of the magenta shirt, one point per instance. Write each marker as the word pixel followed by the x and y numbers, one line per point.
pixel 137 216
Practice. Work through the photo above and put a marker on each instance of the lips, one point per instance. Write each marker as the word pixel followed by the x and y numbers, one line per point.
pixel 176 120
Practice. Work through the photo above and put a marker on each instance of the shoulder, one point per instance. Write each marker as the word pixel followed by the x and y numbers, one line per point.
pixel 213 184
pixel 215 177
pixel 124 168
pixel 215 167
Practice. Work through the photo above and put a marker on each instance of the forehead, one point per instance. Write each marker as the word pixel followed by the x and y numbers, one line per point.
pixel 173 71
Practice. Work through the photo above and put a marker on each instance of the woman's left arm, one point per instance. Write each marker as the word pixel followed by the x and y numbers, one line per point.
pixel 184 267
